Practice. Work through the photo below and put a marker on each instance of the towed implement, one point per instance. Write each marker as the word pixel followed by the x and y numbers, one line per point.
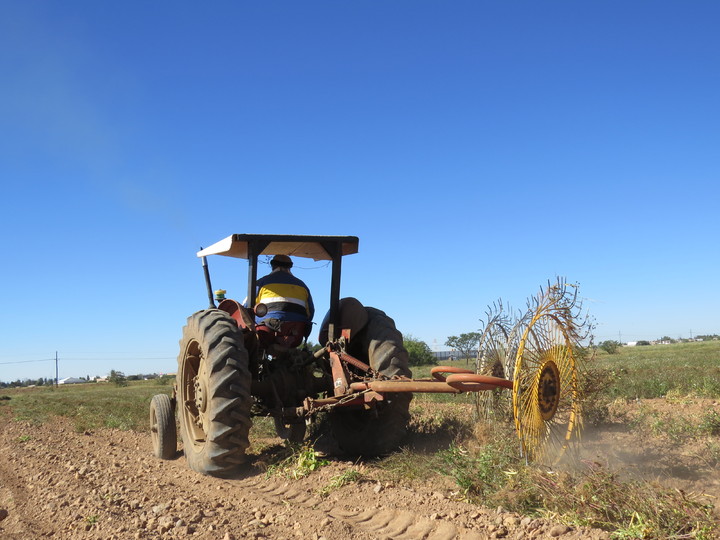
pixel 230 371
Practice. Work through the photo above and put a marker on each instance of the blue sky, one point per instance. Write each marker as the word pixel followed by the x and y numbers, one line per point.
pixel 477 148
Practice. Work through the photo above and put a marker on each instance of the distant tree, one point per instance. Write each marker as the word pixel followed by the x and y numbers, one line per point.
pixel 165 379
pixel 118 378
pixel 466 344
pixel 419 352
pixel 610 346
pixel 643 342
pixel 667 338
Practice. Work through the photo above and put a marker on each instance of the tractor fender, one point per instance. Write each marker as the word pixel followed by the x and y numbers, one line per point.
pixel 353 317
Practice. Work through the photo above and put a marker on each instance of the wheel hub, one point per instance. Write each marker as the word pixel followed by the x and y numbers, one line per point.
pixel 548 390
pixel 200 399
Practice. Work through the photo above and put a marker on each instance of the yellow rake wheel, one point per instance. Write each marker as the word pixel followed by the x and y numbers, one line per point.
pixel 546 389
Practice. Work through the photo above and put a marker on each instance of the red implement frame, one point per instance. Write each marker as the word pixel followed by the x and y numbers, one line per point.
pixel 459 380
pixel 445 380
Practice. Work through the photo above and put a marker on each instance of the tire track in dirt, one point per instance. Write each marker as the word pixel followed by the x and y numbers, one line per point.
pixel 104 485
pixel 386 523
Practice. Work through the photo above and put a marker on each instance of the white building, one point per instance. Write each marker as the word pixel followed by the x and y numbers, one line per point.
pixel 71 380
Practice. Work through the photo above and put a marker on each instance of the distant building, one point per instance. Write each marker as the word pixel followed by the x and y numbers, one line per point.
pixel 71 380
pixel 447 355
pixel 631 343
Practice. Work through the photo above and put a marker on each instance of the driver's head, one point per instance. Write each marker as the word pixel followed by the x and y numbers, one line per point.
pixel 281 261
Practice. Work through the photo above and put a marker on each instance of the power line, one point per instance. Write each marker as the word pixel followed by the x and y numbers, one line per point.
pixel 120 359
pixel 93 358
pixel 28 361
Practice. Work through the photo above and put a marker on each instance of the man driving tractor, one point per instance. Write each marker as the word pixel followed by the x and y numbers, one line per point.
pixel 289 302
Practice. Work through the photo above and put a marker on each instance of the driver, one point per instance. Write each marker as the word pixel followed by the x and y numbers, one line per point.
pixel 288 300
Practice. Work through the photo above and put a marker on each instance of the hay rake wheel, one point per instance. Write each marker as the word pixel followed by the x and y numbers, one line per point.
pixel 496 357
pixel 547 376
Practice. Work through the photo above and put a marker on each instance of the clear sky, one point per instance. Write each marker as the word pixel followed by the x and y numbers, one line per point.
pixel 477 148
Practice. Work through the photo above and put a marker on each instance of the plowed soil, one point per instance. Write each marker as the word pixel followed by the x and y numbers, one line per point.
pixel 105 484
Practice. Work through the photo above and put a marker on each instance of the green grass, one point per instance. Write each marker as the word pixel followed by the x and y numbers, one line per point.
pixel 656 370
pixel 89 406
pixel 297 461
pixel 349 476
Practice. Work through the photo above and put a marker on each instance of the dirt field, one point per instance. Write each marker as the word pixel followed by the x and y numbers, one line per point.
pixel 55 482
pixel 655 451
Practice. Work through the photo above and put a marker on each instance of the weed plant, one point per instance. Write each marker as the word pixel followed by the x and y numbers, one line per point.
pixel 349 476
pixel 297 461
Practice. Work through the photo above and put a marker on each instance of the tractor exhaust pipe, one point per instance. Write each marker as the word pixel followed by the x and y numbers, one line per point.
pixel 207 283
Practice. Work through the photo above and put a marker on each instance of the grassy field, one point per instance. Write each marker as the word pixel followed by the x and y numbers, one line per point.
pixel 688 369
pixel 90 406
pixel 482 460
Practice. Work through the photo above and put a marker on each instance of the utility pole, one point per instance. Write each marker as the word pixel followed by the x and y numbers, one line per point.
pixel 57 379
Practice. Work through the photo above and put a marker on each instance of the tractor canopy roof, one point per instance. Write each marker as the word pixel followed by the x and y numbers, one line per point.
pixel 247 246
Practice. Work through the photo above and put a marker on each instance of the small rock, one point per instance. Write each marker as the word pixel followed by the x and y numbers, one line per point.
pixel 559 530
pixel 197 517
pixel 166 522
pixel 3 514
pixel 500 532
pixel 378 488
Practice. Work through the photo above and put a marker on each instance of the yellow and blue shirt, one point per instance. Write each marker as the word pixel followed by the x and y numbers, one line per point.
pixel 286 297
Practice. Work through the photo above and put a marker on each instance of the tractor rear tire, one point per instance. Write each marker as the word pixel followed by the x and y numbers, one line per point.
pixel 378 430
pixel 163 430
pixel 213 386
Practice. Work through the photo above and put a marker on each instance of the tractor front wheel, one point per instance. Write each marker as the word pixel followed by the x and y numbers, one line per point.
pixel 162 427
pixel 214 399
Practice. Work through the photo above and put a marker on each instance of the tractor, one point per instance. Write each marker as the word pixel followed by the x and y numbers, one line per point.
pixel 229 371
